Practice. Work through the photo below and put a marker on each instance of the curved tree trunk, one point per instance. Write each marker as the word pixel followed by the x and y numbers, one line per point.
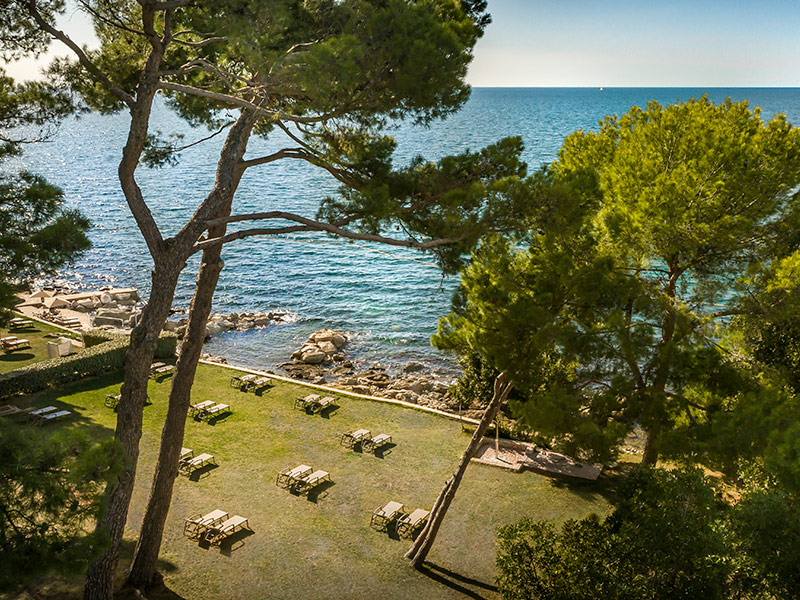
pixel 145 561
pixel 144 338
pixel 419 550
pixel 143 569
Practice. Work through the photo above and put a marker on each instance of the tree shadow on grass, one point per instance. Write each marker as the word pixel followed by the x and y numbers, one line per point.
pixel 456 581
pixel 606 486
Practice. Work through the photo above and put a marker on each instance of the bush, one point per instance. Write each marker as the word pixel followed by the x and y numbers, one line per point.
pixel 98 357
pixel 663 542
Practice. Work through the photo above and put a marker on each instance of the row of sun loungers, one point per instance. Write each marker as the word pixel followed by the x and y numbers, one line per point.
pixel 214 527
pixel 20 323
pixel 313 403
pixel 362 436
pixel 250 382
pixel 301 479
pixel 207 409
pixel 406 524
pixel 37 415
pixel 46 414
pixel 12 343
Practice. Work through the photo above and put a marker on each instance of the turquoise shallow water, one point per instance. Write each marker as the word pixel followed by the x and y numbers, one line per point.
pixel 389 302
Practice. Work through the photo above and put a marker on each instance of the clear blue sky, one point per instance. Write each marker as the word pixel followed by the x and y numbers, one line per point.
pixel 703 43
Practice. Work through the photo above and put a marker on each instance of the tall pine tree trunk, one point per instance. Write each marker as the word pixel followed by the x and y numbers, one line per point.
pixel 144 338
pixel 650 457
pixel 143 569
pixel 145 560
pixel 419 550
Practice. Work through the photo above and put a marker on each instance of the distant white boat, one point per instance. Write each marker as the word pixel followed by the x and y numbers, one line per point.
pixel 601 89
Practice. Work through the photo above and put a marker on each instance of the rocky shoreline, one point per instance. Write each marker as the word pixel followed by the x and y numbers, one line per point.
pixel 323 360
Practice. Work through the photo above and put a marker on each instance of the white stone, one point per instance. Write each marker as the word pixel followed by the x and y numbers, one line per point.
pixel 214 328
pixel 313 358
pixel 106 298
pixel 327 347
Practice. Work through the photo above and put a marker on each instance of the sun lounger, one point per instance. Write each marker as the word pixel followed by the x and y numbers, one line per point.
pixel 384 515
pixel 196 525
pixel 52 416
pixel 8 409
pixel 8 339
pixel 186 453
pixel 306 401
pixel 321 404
pixel 353 438
pixel 287 477
pixel 309 482
pixel 372 444
pixel 189 465
pixel 36 413
pixel 214 410
pixel 241 382
pixel 112 400
pixel 259 383
pixel 407 525
pixel 18 344
pixel 196 409
pixel 18 323
pixel 215 535
pixel 164 371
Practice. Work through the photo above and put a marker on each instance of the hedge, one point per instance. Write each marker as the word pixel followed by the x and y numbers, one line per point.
pixel 104 352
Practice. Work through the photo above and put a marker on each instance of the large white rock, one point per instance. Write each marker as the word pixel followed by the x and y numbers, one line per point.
pixel 106 298
pixel 322 336
pixel 327 347
pixel 313 358
pixel 338 340
pixel 214 328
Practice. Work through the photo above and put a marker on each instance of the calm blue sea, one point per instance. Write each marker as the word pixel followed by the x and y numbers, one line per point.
pixel 388 299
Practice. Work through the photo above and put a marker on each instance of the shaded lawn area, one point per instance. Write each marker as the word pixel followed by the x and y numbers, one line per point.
pixel 38 350
pixel 321 546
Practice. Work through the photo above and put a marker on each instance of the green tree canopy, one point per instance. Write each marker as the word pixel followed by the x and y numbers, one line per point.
pixel 50 494
pixel 37 234
pixel 615 309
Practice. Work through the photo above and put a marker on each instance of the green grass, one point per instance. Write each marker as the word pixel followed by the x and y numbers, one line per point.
pixel 321 547
pixel 38 350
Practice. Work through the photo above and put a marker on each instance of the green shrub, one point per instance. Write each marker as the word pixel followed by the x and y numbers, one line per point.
pixel 98 357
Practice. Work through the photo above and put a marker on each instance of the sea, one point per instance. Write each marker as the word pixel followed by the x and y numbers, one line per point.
pixel 387 299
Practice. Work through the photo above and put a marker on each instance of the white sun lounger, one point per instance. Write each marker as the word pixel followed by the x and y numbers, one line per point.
pixel 216 534
pixel 354 437
pixel 407 525
pixel 189 465
pixel 287 477
pixel 309 482
pixel 196 409
pixel 383 515
pixel 372 444
pixel 52 416
pixel 197 524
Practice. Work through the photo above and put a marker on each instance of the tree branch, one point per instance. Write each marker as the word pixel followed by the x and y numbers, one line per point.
pixel 310 225
pixel 87 64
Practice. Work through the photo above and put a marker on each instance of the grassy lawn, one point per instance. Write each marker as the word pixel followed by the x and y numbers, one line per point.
pixel 321 546
pixel 38 350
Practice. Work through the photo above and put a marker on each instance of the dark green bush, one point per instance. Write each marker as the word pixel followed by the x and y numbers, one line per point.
pixel 98 357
